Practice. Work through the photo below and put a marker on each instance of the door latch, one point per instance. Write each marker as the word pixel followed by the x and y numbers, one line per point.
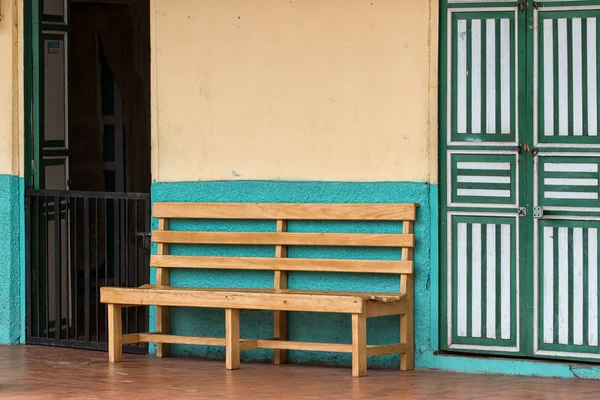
pixel 523 148
pixel 145 236
pixel 538 212
pixel 522 212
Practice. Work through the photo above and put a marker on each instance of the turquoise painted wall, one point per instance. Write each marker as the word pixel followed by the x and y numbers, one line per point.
pixel 303 326
pixel 12 274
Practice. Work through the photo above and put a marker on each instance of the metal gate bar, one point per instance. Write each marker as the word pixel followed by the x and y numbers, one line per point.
pixel 76 243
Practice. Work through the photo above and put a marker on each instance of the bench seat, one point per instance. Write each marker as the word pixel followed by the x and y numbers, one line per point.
pixel 255 299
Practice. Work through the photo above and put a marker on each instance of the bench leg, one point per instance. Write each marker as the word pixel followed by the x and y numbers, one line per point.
pixel 359 345
pixel 115 334
pixel 162 326
pixel 407 360
pixel 281 333
pixel 232 338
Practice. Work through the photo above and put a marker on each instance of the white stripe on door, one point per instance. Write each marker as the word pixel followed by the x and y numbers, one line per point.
pixel 490 75
pixel 592 264
pixel 461 327
pixel 570 167
pixel 548 78
pixel 577 78
pixel 571 195
pixel 482 179
pixel 578 286
pixel 476 281
pixel 494 166
pixel 548 284
pixel 483 192
pixel 570 182
pixel 563 79
pixel 505 282
pixel 563 285
pixel 491 282
pixel 461 78
pixel 476 76
pixel 505 66
pixel 592 86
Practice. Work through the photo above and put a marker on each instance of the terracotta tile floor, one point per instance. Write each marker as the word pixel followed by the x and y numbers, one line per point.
pixel 30 372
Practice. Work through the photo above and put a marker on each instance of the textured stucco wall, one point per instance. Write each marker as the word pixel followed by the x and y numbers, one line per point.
pixel 329 90
pixel 303 326
pixel 12 282
pixel 11 82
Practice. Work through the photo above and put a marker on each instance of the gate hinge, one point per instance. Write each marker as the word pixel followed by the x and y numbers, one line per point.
pixel 522 211
pixel 538 212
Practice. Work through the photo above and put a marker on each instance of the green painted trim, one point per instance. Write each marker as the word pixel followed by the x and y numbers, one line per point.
pixel 23 265
pixel 517 367
pixel 434 266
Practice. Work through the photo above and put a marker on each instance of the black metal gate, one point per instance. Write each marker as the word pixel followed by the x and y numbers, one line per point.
pixel 78 242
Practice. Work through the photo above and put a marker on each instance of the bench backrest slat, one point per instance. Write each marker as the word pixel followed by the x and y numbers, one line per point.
pixel 287 211
pixel 285 238
pixel 283 264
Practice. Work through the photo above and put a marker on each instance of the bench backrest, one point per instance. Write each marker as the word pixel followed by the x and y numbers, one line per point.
pixel 280 238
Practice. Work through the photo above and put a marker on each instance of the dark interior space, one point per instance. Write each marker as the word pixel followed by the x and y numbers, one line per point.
pixel 109 96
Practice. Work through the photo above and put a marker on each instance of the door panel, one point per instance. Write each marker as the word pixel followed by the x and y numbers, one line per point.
pixel 566 180
pixel 566 53
pixel 483 61
pixel 484 281
pixel 54 10
pixel 482 178
pixel 489 180
pixel 50 87
pixel 567 288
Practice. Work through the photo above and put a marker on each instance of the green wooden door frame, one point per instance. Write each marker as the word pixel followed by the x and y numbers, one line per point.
pixel 473 219
pixel 31 40
pixel 37 28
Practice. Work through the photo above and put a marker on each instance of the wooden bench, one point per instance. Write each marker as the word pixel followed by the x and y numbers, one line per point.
pixel 280 299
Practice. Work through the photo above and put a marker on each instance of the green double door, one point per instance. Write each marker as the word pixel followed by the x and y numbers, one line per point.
pixel 520 170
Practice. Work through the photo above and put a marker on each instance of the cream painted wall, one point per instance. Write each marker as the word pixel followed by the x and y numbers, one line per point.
pixel 11 84
pixel 301 89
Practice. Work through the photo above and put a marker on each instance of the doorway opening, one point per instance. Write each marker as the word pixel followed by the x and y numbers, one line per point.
pixel 88 175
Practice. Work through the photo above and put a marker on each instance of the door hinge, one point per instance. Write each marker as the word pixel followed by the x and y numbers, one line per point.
pixel 538 212
pixel 522 211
